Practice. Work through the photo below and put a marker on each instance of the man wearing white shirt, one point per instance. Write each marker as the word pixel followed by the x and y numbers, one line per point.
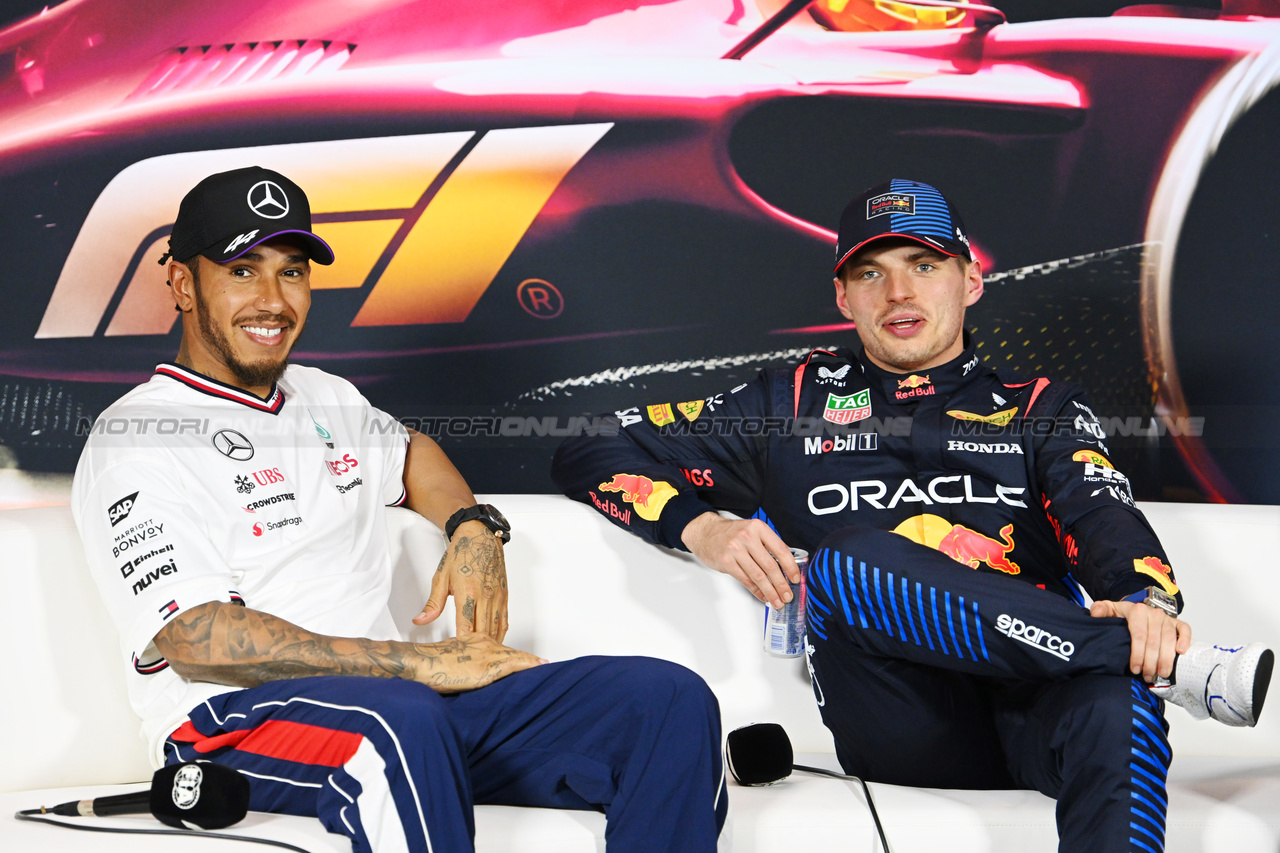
pixel 232 512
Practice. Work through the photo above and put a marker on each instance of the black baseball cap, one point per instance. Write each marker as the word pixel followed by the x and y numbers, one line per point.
pixel 227 214
pixel 902 208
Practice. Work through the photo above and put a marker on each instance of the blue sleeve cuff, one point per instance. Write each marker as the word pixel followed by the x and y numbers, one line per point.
pixel 677 514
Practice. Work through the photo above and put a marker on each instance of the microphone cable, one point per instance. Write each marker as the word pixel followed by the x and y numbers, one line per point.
pixel 35 816
pixel 871 804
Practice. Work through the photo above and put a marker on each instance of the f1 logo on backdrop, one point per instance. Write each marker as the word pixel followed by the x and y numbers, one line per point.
pixel 423 257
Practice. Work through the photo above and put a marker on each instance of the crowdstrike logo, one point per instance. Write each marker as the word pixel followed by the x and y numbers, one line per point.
pixel 1037 638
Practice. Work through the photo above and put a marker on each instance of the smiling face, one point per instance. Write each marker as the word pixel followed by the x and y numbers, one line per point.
pixel 908 303
pixel 241 319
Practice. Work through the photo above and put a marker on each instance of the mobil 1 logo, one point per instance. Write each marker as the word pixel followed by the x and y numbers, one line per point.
pixel 120 510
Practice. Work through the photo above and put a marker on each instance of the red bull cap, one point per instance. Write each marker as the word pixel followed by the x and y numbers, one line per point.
pixel 902 208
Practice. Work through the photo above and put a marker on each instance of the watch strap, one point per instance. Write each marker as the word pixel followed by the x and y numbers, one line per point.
pixel 483 513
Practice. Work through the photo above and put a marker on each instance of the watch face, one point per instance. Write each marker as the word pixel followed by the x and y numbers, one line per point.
pixel 498 518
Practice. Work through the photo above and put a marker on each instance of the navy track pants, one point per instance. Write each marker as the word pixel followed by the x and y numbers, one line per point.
pixel 396 767
pixel 931 674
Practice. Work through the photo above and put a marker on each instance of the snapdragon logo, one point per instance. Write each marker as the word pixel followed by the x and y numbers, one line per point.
pixel 1039 638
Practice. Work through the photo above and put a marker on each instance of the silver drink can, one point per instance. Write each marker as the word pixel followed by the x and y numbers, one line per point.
pixel 784 629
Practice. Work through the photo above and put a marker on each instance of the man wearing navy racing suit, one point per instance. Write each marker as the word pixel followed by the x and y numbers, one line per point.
pixel 956 517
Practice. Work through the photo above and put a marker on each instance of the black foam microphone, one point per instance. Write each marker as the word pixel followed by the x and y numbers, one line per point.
pixel 191 795
pixel 759 754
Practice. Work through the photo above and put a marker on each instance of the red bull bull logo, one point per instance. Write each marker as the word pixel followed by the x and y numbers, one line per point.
pixel 970 547
pixel 646 495
pixel 916 385
pixel 1154 567
pixel 960 543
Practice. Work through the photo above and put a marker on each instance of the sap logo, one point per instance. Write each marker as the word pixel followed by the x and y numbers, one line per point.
pixel 629 416
pixel 268 476
pixel 1038 638
pixel 872 492
pixel 452 240
pixel 975 447
pixel 120 510
pixel 241 240
pixel 136 539
pixel 840 443
pixel 340 467
pixel 169 568
pixel 698 477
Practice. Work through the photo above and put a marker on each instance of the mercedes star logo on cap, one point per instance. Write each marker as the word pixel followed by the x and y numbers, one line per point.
pixel 232 445
pixel 267 200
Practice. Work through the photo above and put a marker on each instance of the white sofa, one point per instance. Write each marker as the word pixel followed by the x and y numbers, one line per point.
pixel 579 585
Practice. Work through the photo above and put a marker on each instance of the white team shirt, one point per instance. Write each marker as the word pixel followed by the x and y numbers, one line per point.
pixel 190 491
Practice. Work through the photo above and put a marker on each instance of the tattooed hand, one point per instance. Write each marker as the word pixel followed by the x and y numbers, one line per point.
pixel 467 662
pixel 474 572
pixel 228 644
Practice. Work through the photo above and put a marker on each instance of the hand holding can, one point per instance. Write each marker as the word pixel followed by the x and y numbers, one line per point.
pixel 784 627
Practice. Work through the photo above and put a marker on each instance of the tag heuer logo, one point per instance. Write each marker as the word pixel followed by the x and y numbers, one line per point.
pixel 846 410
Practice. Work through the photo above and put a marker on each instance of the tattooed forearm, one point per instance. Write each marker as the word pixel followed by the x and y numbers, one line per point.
pixel 228 644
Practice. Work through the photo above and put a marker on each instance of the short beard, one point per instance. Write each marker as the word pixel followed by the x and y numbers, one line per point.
pixel 248 375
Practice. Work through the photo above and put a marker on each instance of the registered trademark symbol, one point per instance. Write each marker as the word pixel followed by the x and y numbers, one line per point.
pixel 540 298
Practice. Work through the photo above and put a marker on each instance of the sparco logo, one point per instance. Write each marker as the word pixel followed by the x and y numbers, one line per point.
pixel 120 510
pixel 1016 629
pixel 975 447
pixel 274 499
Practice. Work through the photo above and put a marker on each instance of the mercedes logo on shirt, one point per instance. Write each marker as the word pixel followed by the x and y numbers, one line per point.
pixel 232 445
pixel 267 200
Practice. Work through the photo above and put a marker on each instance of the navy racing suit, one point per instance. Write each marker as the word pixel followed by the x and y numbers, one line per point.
pixel 956 653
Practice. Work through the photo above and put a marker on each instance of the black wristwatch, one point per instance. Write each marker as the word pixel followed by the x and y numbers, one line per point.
pixel 486 514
